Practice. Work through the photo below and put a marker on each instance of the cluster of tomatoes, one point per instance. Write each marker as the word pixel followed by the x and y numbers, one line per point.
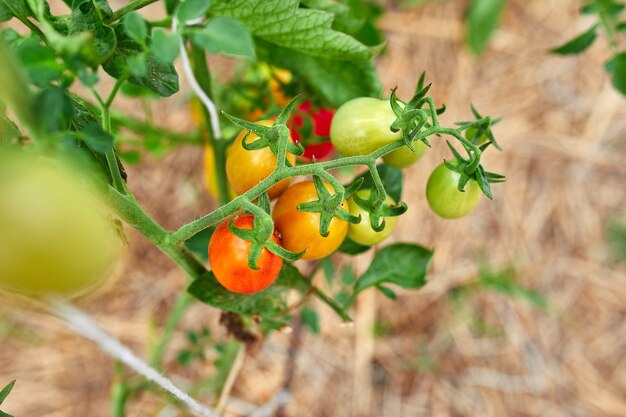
pixel 359 127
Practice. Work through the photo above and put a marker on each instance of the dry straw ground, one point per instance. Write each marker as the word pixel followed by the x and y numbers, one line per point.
pixel 564 136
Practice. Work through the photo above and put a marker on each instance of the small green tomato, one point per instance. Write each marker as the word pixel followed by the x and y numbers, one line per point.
pixel 444 197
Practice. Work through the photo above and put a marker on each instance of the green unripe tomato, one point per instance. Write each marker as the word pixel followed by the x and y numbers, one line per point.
pixel 361 126
pixel 445 199
pixel 404 157
pixel 363 233
pixel 54 234
pixel 473 131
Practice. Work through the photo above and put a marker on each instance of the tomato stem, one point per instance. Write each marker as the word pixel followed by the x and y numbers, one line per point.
pixel 203 76
pixel 132 6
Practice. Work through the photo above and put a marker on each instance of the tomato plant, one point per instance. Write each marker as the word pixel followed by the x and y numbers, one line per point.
pixel 444 197
pixel 56 233
pixel 228 256
pixel 362 126
pixel 300 231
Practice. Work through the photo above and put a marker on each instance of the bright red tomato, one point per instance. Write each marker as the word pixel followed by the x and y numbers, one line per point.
pixel 228 255
pixel 311 127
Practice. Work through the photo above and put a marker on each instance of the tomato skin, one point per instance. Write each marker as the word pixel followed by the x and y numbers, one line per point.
pixel 319 151
pixel 361 126
pixel 445 199
pixel 363 233
pixel 245 169
pixel 403 157
pixel 228 255
pixel 301 230
pixel 55 237
pixel 311 127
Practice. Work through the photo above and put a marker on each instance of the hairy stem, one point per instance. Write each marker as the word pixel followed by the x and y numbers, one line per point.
pixel 143 127
pixel 131 6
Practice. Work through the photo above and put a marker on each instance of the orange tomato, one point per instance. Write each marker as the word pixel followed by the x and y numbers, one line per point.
pixel 301 230
pixel 245 169
pixel 228 255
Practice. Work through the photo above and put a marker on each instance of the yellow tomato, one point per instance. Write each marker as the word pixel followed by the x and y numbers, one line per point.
pixel 55 237
pixel 245 168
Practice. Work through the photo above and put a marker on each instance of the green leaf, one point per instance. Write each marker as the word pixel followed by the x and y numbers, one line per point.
pixel 483 18
pixel 354 17
pixel 192 9
pixel 97 139
pixel 225 35
pixel 208 290
pixel 5 12
pixel 39 61
pixel 170 6
pixel 350 247
pixel 504 282
pixel 267 304
pixel 54 109
pixel 165 46
pixel 138 65
pixel 348 276
pixel 290 277
pixel 387 292
pixel 199 243
pixel 283 23
pixel 83 115
pixel 310 320
pixel 15 8
pixel 136 27
pixel 130 157
pixel 616 67
pixel 86 18
pixel 578 44
pixel 402 264
pixel 160 77
pixel 6 391
pixel 185 357
pixel 333 80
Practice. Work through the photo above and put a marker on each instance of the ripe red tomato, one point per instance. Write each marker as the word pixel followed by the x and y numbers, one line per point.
pixel 245 169
pixel 301 230
pixel 228 255
pixel 311 127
